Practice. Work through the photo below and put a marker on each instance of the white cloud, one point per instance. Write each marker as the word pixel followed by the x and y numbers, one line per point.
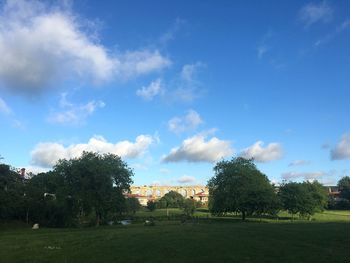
pixel 4 108
pixel 273 151
pixel 134 63
pixel 74 114
pixel 41 45
pixel 298 162
pixel 198 149
pixel 48 153
pixel 342 149
pixel 152 90
pixel 313 13
pixel 305 176
pixel 188 122
pixel 186 179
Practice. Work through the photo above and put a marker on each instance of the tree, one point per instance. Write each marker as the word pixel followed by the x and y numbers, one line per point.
pixel 189 206
pixel 238 186
pixel 304 198
pixel 94 183
pixel 172 200
pixel 344 187
pixel 151 206
pixel 132 205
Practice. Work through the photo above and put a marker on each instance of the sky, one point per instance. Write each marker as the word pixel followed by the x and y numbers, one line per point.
pixel 173 87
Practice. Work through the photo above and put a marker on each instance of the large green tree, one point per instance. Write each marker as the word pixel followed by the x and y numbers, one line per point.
pixel 94 183
pixel 238 186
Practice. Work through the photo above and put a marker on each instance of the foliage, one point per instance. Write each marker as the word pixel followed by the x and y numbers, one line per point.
pixel 172 200
pixel 304 198
pixel 238 186
pixel 132 205
pixel 189 206
pixel 344 187
pixel 151 206
pixel 11 193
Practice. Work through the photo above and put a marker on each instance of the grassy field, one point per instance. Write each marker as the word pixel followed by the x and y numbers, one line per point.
pixel 327 239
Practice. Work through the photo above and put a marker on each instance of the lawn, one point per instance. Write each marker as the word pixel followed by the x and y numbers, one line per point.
pixel 327 239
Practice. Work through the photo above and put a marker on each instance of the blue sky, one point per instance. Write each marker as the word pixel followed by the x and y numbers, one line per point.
pixel 174 87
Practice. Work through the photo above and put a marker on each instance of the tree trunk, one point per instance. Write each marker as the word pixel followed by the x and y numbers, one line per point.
pixel 98 219
pixel 27 216
pixel 243 215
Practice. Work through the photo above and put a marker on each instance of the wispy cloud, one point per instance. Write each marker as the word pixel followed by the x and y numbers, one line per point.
pixel 188 122
pixel 186 179
pixel 187 87
pixel 172 31
pixel 298 163
pixel 152 90
pixel 338 30
pixel 4 108
pixel 263 46
pixel 312 13
pixel 73 114
pixel 184 87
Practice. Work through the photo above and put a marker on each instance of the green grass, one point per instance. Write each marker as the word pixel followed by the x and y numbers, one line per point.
pixel 214 240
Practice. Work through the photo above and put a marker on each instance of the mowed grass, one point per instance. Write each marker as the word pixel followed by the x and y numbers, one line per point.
pixel 212 240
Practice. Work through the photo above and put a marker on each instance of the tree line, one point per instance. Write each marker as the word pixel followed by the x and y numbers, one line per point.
pixel 85 190
pixel 239 187
pixel 91 189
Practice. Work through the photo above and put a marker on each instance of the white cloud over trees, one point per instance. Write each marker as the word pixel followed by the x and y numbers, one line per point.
pixel 257 151
pixel 46 154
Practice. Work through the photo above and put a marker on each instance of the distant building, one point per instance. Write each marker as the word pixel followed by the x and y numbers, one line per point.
pixel 150 193
pixel 333 191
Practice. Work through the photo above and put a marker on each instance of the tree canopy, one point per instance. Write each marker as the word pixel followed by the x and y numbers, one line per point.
pixel 344 187
pixel 304 198
pixel 238 186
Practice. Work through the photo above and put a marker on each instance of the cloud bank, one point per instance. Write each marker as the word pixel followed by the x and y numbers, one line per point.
pixel 42 44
